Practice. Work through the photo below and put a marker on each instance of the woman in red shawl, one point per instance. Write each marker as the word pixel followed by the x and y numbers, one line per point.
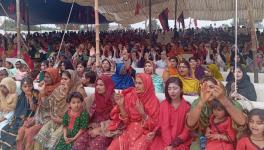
pixel 171 132
pixel 30 129
pixel 99 108
pixel 137 113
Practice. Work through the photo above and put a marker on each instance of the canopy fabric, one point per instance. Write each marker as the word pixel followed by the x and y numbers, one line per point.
pixel 50 12
pixel 123 11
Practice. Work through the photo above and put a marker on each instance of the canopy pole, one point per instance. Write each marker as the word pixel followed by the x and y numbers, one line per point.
pixel 175 15
pixel 18 27
pixel 253 39
pixel 97 28
pixel 150 23
pixel 28 25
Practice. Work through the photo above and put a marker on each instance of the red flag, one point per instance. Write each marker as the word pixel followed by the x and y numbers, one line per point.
pixel 137 10
pixel 195 23
pixel 163 18
pixel 181 20
pixel 11 7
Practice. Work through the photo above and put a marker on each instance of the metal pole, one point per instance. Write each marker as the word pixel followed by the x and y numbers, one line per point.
pixel 175 15
pixel 97 28
pixel 236 49
pixel 150 23
pixel 18 27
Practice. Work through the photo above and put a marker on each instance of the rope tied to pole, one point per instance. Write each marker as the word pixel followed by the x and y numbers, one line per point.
pixel 236 48
pixel 65 29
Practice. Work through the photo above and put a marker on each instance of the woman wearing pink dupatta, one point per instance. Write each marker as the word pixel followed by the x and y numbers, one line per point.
pixel 136 114
pixel 171 133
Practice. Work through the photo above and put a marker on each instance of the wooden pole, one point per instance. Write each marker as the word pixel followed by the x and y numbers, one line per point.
pixel 18 28
pixel 150 23
pixel 97 28
pixel 175 15
pixel 253 38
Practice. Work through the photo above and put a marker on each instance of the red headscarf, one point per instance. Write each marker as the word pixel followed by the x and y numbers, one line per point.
pixel 149 90
pixel 55 76
pixel 104 101
pixel 147 98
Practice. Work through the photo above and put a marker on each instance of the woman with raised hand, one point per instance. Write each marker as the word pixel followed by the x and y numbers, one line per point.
pixel 199 117
pixel 135 114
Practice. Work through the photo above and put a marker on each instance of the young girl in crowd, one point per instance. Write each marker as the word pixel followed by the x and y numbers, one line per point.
pixel 255 139
pixel 75 121
pixel 80 68
pixel 220 134
pixel 88 79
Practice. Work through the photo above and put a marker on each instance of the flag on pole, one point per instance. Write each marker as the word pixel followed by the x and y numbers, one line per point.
pixel 11 7
pixel 164 19
pixel 137 10
pixel 181 20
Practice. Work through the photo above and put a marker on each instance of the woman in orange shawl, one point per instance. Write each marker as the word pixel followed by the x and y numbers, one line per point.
pixel 171 70
pixel 171 131
pixel 136 113
pixel 30 129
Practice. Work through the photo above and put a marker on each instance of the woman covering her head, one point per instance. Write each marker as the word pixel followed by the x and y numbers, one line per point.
pixel 4 72
pixel 123 77
pixel 99 108
pixel 170 130
pixel 245 89
pixel 214 70
pixel 8 100
pixel 57 107
pixel 52 80
pixel 24 110
pixel 137 113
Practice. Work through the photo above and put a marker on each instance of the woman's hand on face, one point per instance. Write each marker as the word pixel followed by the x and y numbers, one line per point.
pixel 219 92
pixel 42 86
pixel 206 94
pixel 65 89
pixel 140 109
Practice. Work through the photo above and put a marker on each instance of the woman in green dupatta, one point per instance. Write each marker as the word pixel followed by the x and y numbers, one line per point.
pixel 201 110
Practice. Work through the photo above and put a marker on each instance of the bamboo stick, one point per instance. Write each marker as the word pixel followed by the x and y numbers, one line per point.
pixel 253 38
pixel 18 28
pixel 97 28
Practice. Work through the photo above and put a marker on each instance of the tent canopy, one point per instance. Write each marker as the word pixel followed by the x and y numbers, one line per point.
pixel 123 11
pixel 50 12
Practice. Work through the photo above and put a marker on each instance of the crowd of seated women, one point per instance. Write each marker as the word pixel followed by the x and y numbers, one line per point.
pixel 60 115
